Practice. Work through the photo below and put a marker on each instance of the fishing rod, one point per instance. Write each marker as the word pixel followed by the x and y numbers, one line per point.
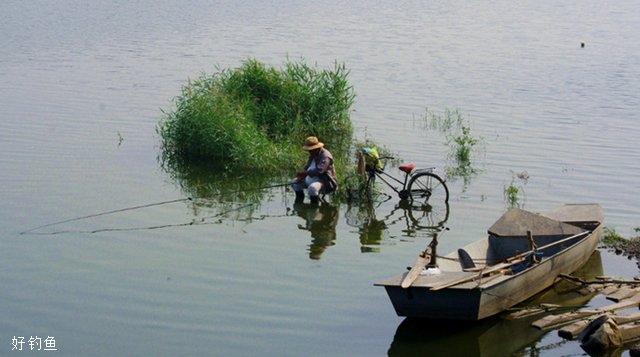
pixel 31 230
pixel 200 221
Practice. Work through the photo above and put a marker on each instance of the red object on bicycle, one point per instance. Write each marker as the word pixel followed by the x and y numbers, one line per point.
pixel 407 168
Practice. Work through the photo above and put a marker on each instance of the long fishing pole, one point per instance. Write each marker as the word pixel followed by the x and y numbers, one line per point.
pixel 139 207
pixel 200 221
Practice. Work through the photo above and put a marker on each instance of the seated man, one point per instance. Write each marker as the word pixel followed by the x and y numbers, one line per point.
pixel 318 175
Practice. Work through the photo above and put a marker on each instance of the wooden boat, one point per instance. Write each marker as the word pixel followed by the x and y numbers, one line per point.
pixel 523 254
pixel 493 336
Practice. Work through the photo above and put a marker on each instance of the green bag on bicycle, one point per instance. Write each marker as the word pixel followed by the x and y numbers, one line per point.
pixel 372 158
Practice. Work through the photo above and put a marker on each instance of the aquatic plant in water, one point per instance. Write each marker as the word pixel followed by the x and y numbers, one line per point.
pixel 463 145
pixel 629 247
pixel 456 130
pixel 514 195
pixel 254 117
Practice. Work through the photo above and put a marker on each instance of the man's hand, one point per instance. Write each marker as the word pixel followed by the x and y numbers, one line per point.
pixel 300 176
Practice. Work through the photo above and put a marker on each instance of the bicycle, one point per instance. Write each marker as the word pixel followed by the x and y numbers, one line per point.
pixel 420 186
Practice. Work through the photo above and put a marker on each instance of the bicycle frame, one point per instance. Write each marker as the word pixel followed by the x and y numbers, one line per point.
pixel 379 173
pixel 417 185
pixel 403 191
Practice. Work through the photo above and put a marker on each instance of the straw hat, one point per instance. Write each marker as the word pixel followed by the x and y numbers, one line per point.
pixel 312 143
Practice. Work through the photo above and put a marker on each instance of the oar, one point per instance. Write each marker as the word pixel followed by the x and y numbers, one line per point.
pixel 509 262
pixel 424 258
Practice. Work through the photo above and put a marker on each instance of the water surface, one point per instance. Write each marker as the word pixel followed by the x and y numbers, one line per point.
pixel 82 89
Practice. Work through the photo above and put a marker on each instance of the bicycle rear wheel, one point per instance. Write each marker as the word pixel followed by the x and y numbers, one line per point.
pixel 426 188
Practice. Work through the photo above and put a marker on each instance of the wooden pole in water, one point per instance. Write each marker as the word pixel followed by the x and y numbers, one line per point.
pixel 361 168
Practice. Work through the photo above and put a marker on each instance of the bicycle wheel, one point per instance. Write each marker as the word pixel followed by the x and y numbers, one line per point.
pixel 428 188
pixel 429 217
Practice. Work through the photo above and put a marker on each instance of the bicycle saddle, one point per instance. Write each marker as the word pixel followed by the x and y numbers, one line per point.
pixel 407 168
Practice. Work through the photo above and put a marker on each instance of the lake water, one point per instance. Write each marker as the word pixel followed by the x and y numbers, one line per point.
pixel 83 86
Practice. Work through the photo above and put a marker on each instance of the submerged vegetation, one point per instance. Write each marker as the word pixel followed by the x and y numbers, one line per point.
pixel 514 195
pixel 629 247
pixel 463 145
pixel 254 118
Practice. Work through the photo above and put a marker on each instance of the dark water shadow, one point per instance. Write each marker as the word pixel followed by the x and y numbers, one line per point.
pixel 321 221
pixel 373 226
pixel 494 336
pixel 206 180
pixel 212 185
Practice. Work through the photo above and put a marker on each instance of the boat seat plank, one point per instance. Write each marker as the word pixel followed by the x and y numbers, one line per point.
pixel 428 281
pixel 431 281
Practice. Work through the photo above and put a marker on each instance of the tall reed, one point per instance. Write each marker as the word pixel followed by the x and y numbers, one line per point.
pixel 255 117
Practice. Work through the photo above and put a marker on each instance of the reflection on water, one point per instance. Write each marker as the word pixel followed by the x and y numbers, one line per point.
pixel 466 171
pixel 219 192
pixel 414 221
pixel 320 220
pixel 210 180
pixel 200 212
pixel 494 336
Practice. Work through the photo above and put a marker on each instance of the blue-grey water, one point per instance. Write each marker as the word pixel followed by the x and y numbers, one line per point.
pixel 83 86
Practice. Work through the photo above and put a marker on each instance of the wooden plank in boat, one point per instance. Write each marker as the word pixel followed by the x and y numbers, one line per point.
pixel 395 281
pixel 431 281
pixel 428 281
pixel 494 269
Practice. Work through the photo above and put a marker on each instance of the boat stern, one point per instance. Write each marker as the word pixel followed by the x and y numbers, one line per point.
pixel 418 302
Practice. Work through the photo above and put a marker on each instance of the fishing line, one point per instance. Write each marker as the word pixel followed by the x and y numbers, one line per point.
pixel 31 230
pixel 195 222
pixel 104 214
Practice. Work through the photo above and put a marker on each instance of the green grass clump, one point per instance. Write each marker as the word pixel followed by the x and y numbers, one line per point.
pixel 612 239
pixel 463 146
pixel 255 117
pixel 629 247
pixel 464 143
pixel 514 195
